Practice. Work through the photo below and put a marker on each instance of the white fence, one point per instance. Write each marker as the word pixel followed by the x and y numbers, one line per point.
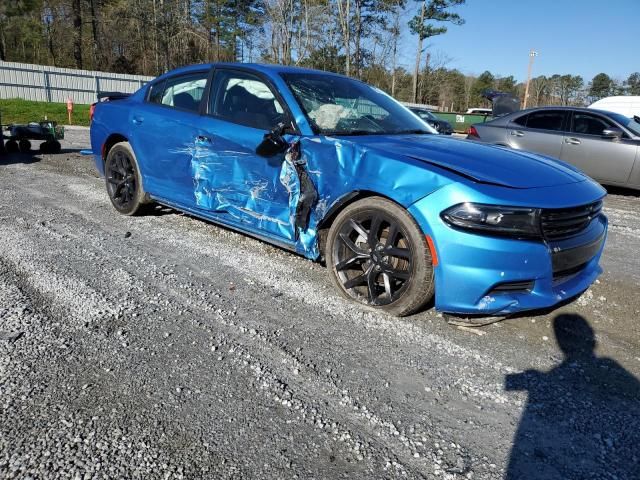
pixel 419 105
pixel 52 84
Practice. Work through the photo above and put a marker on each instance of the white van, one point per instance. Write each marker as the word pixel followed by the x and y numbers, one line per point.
pixel 627 105
pixel 482 111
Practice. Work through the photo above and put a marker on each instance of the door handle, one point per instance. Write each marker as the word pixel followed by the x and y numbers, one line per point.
pixel 572 141
pixel 203 139
pixel 137 120
pixel 517 133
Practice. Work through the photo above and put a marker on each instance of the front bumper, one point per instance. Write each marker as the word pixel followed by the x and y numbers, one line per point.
pixel 480 274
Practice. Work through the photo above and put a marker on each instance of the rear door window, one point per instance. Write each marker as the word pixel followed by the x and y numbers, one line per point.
pixel 183 92
pixel 546 120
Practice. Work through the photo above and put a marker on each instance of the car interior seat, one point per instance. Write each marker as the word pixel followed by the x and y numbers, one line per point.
pixel 245 108
pixel 185 100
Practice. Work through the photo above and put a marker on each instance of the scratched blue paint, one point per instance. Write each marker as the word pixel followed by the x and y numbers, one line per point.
pixel 225 181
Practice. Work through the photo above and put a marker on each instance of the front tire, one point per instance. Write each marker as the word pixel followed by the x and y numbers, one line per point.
pixel 55 147
pixel 377 255
pixel 123 180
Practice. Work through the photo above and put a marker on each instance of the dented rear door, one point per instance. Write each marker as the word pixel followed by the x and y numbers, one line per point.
pixel 165 131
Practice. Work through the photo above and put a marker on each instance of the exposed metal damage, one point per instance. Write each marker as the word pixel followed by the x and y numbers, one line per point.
pixel 302 191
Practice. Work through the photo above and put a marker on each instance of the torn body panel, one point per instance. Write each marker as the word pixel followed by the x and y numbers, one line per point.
pixel 334 169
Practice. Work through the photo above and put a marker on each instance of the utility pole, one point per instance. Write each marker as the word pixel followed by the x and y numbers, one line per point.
pixel 416 70
pixel 532 55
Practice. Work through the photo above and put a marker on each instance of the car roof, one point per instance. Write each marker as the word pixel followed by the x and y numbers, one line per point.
pixel 260 67
pixel 504 119
pixel 560 107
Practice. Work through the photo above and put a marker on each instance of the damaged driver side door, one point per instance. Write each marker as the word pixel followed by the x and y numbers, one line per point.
pixel 230 179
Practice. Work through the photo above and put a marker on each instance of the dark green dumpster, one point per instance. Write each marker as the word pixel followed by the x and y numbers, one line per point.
pixel 462 121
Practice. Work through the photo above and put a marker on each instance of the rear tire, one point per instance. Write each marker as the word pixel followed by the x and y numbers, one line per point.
pixel 377 255
pixel 123 180
pixel 25 145
pixel 12 146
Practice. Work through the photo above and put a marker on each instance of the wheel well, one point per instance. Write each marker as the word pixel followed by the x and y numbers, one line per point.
pixel 110 142
pixel 344 202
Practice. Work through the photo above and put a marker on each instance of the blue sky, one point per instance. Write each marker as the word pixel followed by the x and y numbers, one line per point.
pixel 581 37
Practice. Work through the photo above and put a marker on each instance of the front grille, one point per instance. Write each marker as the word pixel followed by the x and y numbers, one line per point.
pixel 565 222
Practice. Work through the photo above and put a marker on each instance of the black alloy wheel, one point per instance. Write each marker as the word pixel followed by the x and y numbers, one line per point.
pixel 379 257
pixel 123 179
pixel 374 259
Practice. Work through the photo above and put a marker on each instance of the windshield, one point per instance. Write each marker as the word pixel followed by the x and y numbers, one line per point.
pixel 631 123
pixel 338 105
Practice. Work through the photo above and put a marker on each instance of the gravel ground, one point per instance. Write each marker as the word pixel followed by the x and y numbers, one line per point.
pixel 166 347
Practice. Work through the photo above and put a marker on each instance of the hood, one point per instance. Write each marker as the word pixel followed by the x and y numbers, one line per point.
pixel 481 163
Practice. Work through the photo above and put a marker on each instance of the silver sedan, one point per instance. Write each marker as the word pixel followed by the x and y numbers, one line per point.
pixel 605 145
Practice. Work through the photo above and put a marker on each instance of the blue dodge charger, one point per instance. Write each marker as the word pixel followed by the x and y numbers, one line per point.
pixel 334 169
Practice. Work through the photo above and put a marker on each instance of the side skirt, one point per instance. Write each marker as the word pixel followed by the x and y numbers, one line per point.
pixel 225 222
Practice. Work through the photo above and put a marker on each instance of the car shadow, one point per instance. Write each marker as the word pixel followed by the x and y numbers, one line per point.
pixel 580 418
pixel 622 191
pixel 157 210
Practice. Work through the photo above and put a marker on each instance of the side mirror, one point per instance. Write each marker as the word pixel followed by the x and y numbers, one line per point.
pixel 612 133
pixel 273 142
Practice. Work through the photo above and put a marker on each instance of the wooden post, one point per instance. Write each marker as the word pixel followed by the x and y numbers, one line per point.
pixel 532 55
pixel 69 109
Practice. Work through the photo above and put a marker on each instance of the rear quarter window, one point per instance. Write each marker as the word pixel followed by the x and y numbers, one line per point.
pixel 546 120
pixel 155 93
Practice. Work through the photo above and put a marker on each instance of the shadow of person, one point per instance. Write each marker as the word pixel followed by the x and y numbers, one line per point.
pixel 582 418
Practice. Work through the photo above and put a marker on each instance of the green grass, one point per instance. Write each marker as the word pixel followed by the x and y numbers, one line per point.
pixel 16 110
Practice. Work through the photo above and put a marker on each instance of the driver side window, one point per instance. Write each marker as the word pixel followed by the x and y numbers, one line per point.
pixel 588 124
pixel 245 99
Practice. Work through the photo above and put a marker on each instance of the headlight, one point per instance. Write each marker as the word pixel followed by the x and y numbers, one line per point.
pixel 512 221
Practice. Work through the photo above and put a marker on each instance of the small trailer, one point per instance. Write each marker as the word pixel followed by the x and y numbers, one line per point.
pixel 50 133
